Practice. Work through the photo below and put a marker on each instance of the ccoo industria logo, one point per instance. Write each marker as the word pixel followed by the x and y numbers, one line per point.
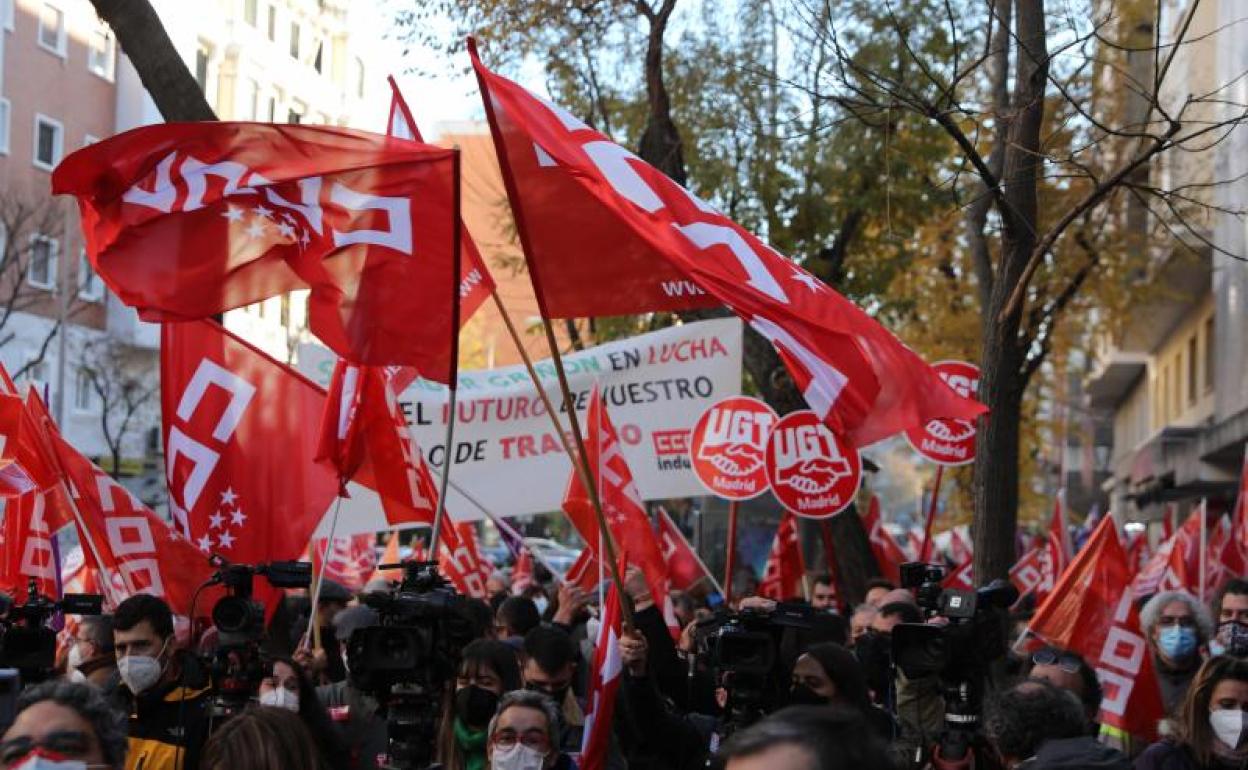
pixel 813 472
pixel 728 446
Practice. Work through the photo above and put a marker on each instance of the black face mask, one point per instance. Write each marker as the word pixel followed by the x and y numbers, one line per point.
pixel 475 705
pixel 558 696
pixel 801 695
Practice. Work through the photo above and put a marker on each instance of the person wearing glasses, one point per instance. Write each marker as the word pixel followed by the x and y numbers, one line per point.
pixel 70 722
pixel 1068 670
pixel 1176 626
pixel 522 734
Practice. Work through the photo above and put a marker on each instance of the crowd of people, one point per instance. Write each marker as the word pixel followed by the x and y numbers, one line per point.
pixel 129 692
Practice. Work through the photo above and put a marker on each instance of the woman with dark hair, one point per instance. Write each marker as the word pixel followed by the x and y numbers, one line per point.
pixel 1210 729
pixel 263 738
pixel 827 673
pixel 487 669
pixel 287 686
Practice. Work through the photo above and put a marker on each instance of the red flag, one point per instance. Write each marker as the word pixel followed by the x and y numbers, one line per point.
pixel 187 220
pixel 461 561
pixel 962 578
pixel 659 247
pixel 1031 572
pixel 349 560
pixel 239 449
pixel 888 554
pixel 522 573
pixel 128 543
pixel 621 504
pixel 364 431
pixel 586 572
pixel 959 549
pixel 475 282
pixel 782 579
pixel 1056 549
pixel 604 682
pixel 1234 554
pixel 1091 611
pixel 684 568
pixel 27 543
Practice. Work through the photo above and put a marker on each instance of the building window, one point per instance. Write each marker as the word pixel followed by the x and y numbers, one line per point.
pixel 1210 368
pixel 84 392
pixel 253 100
pixel 52 29
pixel 1177 393
pixel 316 59
pixel 359 78
pixel 1193 370
pixel 294 40
pixel 201 68
pixel 4 126
pixel 49 142
pixel 293 117
pixel 1163 402
pixel 41 270
pixel 272 109
pixel 100 53
pixel 90 287
pixel 285 311
pixel 6 13
pixel 251 11
pixel 272 26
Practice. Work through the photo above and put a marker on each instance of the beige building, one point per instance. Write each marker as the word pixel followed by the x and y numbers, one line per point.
pixel 1174 378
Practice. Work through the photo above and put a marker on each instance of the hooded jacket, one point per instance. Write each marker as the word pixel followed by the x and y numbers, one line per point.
pixel 1083 753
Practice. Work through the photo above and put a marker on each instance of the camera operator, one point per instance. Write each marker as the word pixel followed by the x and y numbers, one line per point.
pixel 64 721
pixel 828 674
pixel 166 687
pixel 1176 626
pixel 874 647
pixel 523 734
pixel 1069 671
pixel 1230 608
pixel 807 738
pixel 91 659
pixel 1036 726
pixel 549 667
pixel 354 711
pixel 487 669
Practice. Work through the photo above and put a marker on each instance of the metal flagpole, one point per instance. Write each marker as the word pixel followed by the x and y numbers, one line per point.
pixel 1204 543
pixel 453 380
pixel 313 639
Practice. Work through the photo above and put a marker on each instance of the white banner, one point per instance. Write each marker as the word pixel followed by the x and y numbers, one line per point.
pixel 507 455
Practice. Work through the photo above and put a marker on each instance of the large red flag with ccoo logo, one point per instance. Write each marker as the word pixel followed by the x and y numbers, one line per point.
pixel 188 220
pixel 1091 612
pixel 240 446
pixel 657 246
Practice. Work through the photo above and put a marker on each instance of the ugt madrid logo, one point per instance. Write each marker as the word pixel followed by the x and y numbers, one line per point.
pixel 813 472
pixel 727 447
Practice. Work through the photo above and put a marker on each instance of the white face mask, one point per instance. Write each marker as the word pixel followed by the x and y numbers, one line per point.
pixel 281 698
pixel 542 603
pixel 518 757
pixel 141 672
pixel 38 760
pixel 1228 725
pixel 75 658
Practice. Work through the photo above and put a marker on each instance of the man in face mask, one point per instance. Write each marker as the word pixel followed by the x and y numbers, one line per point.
pixel 549 668
pixel 166 688
pixel 64 724
pixel 1231 610
pixel 91 659
pixel 522 734
pixel 1176 626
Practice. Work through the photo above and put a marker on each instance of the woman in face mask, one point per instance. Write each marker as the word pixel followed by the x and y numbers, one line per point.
pixel 1211 732
pixel 827 673
pixel 487 669
pixel 287 686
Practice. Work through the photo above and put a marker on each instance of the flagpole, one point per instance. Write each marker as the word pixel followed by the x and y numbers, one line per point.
pixel 926 552
pixel 1204 544
pixel 513 197
pixel 825 530
pixel 672 525
pixel 453 380
pixel 731 560
pixel 313 639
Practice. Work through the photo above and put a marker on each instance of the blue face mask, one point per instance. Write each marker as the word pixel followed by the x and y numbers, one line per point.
pixel 1177 642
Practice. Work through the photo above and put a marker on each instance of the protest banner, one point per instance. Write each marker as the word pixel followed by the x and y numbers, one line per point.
pixel 657 385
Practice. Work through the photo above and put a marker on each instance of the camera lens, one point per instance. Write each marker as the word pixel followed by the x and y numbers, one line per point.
pixel 232 614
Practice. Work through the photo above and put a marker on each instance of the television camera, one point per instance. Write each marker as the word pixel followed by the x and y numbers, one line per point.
pixel 27 643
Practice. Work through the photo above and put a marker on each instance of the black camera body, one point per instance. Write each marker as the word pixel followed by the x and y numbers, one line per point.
pixel 958 652
pixel 742 649
pixel 26 642
pixel 239 619
pixel 406 661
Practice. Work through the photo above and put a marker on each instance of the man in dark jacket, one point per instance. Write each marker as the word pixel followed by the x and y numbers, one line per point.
pixel 1036 726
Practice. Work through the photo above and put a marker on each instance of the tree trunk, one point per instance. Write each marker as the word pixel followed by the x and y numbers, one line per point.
pixel 161 69
pixel 1003 367
pixel 660 142
pixel 855 564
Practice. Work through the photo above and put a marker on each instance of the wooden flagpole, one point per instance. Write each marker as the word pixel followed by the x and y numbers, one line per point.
pixel 526 246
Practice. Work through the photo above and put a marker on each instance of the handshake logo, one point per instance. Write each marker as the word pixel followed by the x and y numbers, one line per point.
pixel 808 462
